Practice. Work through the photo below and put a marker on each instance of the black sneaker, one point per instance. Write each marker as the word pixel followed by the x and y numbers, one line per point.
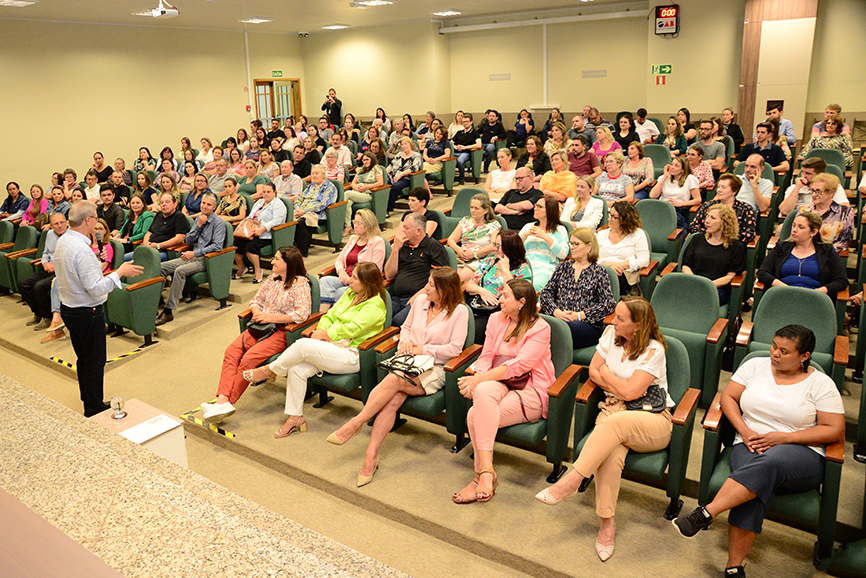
pixel 735 572
pixel 693 522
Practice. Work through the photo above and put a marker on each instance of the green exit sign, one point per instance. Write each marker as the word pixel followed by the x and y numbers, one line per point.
pixel 662 68
pixel 276 74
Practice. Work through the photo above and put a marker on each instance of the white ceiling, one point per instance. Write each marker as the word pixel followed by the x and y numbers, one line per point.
pixel 291 16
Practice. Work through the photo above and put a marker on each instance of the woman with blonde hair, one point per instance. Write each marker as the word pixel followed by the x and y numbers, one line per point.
pixel 557 140
pixel 718 254
pixel 629 361
pixel 673 137
pixel 364 244
pixel 582 209
pixel 473 237
pixel 500 181
pixel 559 182
pixel 605 143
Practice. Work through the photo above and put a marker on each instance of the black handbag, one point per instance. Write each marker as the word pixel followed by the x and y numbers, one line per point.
pixel 477 304
pixel 261 331
pixel 655 400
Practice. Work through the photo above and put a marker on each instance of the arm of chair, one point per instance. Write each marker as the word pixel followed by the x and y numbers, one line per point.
pixel 387 345
pixel 4 246
pixel 218 253
pixel 311 320
pixel 309 330
pixel 563 380
pixel 335 205
pixel 836 451
pixel 759 285
pixel 772 242
pixel 843 295
pixel 145 283
pixel 464 356
pixel 378 338
pixel 714 414
pixel 245 314
pixel 609 319
pixel 686 406
pixel 417 173
pixel 21 253
pixel 693 209
pixel 737 281
pixel 447 212
pixel 648 270
pixel 744 335
pixel 669 268
pixel 36 262
pixel 840 351
pixel 719 328
pixel 179 248
pixel 584 393
pixel 284 226
pixel 676 234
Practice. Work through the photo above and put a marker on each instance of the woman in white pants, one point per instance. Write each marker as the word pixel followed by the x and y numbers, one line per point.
pixel 333 347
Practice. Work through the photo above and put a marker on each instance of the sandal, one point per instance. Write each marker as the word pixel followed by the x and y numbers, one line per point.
pixel 299 424
pixel 459 498
pixel 484 496
pixel 250 375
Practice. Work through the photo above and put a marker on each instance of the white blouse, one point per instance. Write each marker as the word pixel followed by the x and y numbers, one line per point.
pixel 592 214
pixel 652 361
pixel 672 190
pixel 632 248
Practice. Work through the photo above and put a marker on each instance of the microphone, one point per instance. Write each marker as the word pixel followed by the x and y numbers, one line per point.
pixel 99 240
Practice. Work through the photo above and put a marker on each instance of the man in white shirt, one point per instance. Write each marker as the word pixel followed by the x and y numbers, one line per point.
pixel 799 194
pixel 83 290
pixel 344 156
pixel 217 182
pixel 91 191
pixel 756 190
pixel 646 129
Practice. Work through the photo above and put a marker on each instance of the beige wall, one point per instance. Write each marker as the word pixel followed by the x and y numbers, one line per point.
pixel 837 73
pixel 113 89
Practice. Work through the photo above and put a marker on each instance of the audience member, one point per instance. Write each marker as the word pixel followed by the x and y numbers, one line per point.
pixel 473 237
pixel 769 151
pixel 624 247
pixel 465 140
pixel 798 194
pixel 646 129
pixel 673 138
pixel 364 245
pixel 518 204
pixel 35 290
pixel 613 185
pixel 546 241
pixel 558 182
pixel 837 221
pixel 732 129
pixel 756 190
pixel 581 160
pixel 831 111
pixel 232 207
pixel 490 131
pixel 684 117
pixel 626 133
pixel 578 127
pixel 831 137
pixel 679 187
pixel 639 168
pixel 136 223
pixel 168 229
pixel 110 213
pixel 726 194
pixel 584 210
pixel 404 164
pixel 535 158
pixel 701 169
pixel 717 254
pixel 500 181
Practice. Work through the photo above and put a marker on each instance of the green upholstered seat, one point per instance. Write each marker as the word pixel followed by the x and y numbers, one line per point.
pixel 135 304
pixel 659 220
pixel 26 237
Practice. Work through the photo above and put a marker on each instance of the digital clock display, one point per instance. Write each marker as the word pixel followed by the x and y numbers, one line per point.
pixel 667 19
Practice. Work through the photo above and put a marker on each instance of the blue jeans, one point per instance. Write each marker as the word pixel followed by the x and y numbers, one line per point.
pixel 396 189
pixel 461 164
pixel 331 289
pixel 489 155
pixel 641 194
pixel 399 309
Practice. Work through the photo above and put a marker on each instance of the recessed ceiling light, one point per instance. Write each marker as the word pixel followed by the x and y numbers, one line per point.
pixel 17 3
pixel 447 13
pixel 370 3
pixel 256 20
pixel 335 26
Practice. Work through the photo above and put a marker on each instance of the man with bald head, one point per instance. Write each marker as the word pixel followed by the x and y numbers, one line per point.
pixel 516 206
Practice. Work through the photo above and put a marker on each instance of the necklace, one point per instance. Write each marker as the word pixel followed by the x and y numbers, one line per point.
pixel 800 264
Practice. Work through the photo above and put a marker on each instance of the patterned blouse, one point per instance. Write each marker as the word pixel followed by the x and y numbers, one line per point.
pixel 400 163
pixel 704 174
pixel 542 257
pixel 274 299
pixel 642 173
pixel 270 171
pixel 591 293
pixel 474 237
pixel 370 176
pixel 840 142
pixel 487 275
pixel 745 217
pixel 335 173
pixel 233 208
pixel 837 224
pixel 316 198
pixel 550 146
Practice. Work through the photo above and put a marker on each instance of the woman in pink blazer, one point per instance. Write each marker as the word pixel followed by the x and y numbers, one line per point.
pixel 509 381
pixel 365 244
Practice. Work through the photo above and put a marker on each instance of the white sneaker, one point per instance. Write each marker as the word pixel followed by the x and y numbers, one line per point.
pixel 216 412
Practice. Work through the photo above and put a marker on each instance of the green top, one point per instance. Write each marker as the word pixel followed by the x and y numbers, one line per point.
pixel 248 186
pixel 140 227
pixel 358 323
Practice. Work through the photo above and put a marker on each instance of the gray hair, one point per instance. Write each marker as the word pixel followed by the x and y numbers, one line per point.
pixel 212 196
pixel 418 221
pixel 79 212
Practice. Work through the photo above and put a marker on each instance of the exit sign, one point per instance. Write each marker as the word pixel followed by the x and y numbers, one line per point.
pixel 662 68
pixel 667 19
pixel 276 74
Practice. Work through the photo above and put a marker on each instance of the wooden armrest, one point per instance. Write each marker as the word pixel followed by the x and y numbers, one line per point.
pixel 714 413
pixel 36 262
pixel 218 253
pixel 387 283
pixel 447 212
pixel 245 314
pixel 744 335
pixel 309 330
pixel 737 281
pixel 647 271
pixel 4 246
pixel 669 268
pixel 759 285
pixel 603 227
pixel 449 159
pixel 444 241
pixel 347 186
pixel 585 391
pixel 843 295
pixel 609 319
pixel 136 243
pixel 284 225
pixel 179 248
pixel 380 187
pixel 21 253
pixel 145 283
pixel 753 244
pixel 463 357
pixel 565 378
pixel 764 214
pixel 388 344
pixel 685 406
pixel 313 319
pixel 16 222
pixel 843 254
pixel 335 205
pixel 717 330
pixel 417 173
pixel 772 242
pixel 676 234
pixel 836 451
pixel 378 338
pixel 332 270
pixel 840 351
pixel 693 209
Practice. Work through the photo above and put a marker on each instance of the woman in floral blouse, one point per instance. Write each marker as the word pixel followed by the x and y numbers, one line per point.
pixel 473 237
pixel 579 291
pixel 700 168
pixel 832 138
pixel 639 168
pixel 726 193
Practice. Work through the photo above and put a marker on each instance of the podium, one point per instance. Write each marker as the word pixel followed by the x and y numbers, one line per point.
pixel 149 428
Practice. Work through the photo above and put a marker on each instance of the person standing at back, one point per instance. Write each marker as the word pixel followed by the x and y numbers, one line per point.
pixel 83 290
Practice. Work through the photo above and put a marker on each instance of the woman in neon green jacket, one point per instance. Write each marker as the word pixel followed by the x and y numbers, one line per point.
pixel 136 225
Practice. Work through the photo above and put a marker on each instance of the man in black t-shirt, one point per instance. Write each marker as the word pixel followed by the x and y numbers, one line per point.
pixel 465 140
pixel 517 205
pixel 413 255
pixel 303 168
pixel 169 227
pixel 120 190
pixel 276 131
pixel 110 213
pixel 491 131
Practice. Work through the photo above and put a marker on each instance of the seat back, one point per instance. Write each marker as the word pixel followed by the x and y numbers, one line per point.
pixel 830 156
pixel 230 235
pixel 688 240
pixel 443 228
pixel 26 238
pixel 658 124
pixel 341 191
pixel 605 211
pixel 784 305
pixel 315 293
pixel 460 208
pixel 835 170
pixel 290 210
pixel 659 154
pixel 147 258
pixel 7 231
pixel 729 148
pixel 785 231
pixel 561 349
pixel 696 314
pixel 677 365
pixel 614 282
pixel 659 219
pixel 117 255
pixel 249 200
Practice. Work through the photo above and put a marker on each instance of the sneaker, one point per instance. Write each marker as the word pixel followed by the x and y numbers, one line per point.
pixel 216 412
pixel 692 523
pixel 735 572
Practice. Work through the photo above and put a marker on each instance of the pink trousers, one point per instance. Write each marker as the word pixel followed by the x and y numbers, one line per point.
pixel 244 353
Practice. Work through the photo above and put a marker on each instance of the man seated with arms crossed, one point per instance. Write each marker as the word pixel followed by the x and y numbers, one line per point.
pixel 581 160
pixel 465 140
pixel 831 111
pixel 646 129
pixel 517 205
pixel 771 152
pixel 413 255
pixel 112 214
pixel 798 194
pixel 217 181
pixel 491 131
pixel 344 155
pixel 119 188
pixel 756 190
pixel 714 151
pixel 208 235
pixel 168 229
pixel 578 126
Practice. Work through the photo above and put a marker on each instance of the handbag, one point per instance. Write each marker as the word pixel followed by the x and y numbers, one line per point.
pixel 655 400
pixel 246 229
pixel 478 304
pixel 407 366
pixel 261 330
pixel 41 220
pixel 518 382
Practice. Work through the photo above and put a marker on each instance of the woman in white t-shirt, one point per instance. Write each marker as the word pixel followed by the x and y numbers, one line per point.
pixel 680 187
pixel 630 360
pixel 784 412
pixel 500 181
pixel 623 246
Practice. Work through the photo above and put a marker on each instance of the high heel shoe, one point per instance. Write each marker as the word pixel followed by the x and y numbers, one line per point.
pixel 333 439
pixel 484 496
pixel 546 497
pixel 604 552
pixel 298 425
pixel 250 375
pixel 364 480
pixel 240 273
